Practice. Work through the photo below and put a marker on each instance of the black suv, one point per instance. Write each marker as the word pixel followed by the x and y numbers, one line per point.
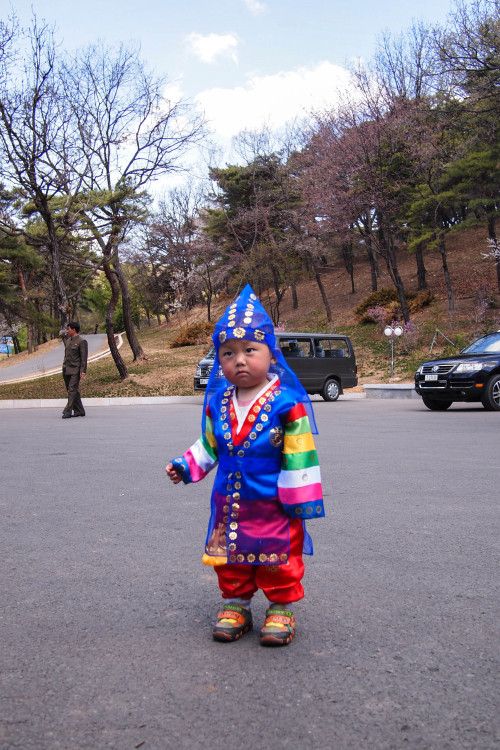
pixel 323 362
pixel 472 375
pixel 203 370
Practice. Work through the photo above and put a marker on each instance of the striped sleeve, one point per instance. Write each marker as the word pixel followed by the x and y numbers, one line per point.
pixel 200 458
pixel 299 481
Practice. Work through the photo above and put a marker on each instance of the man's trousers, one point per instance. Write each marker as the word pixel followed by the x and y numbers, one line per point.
pixel 72 383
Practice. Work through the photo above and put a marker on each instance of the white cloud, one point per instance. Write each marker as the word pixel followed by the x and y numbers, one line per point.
pixel 173 92
pixel 255 7
pixel 272 100
pixel 212 46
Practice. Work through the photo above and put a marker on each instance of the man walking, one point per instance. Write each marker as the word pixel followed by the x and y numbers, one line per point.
pixel 74 368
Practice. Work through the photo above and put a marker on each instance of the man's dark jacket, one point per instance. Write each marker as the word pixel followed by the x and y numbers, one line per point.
pixel 75 355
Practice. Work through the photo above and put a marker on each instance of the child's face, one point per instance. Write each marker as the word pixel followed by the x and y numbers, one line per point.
pixel 245 363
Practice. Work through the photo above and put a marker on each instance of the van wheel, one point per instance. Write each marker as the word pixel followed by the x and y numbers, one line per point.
pixel 331 390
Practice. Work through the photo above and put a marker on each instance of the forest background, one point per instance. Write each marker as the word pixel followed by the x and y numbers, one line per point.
pixel 381 210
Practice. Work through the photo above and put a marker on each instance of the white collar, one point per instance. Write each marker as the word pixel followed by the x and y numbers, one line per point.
pixel 241 412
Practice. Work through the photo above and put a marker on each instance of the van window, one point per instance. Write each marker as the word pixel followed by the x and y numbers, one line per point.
pixel 295 348
pixel 331 348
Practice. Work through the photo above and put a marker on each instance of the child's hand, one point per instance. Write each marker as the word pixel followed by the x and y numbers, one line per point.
pixel 173 474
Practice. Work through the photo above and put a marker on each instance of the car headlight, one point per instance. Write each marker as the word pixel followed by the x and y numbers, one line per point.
pixel 470 367
pixel 198 372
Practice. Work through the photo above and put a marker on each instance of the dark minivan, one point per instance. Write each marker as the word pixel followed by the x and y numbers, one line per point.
pixel 324 363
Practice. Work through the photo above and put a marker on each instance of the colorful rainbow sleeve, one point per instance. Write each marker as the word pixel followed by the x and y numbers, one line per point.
pixel 299 482
pixel 201 458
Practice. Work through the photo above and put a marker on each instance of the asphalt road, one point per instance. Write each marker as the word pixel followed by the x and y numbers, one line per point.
pixel 49 360
pixel 106 609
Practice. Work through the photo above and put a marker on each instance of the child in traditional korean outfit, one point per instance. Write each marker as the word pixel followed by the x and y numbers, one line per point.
pixel 257 426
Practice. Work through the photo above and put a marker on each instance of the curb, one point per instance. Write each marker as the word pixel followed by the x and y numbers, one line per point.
pixel 382 390
pixel 47 403
pixel 390 390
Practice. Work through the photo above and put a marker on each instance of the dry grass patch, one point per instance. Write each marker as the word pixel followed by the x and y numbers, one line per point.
pixel 169 371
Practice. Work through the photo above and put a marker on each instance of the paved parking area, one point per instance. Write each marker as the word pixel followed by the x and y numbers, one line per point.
pixel 106 609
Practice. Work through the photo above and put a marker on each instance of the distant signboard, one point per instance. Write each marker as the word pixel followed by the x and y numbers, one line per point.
pixel 6 345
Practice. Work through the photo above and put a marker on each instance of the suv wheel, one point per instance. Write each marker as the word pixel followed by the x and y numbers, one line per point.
pixel 331 390
pixel 435 405
pixel 491 394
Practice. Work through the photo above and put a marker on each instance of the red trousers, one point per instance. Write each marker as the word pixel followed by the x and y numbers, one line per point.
pixel 280 583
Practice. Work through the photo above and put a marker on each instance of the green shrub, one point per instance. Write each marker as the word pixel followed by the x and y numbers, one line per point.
pixel 197 333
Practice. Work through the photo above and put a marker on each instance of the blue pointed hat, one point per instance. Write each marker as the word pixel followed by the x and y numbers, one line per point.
pixel 246 319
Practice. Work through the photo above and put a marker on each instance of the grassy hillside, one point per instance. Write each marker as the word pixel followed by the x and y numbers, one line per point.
pixel 170 371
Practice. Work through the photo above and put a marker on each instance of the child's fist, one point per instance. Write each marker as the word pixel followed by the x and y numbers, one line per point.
pixel 173 474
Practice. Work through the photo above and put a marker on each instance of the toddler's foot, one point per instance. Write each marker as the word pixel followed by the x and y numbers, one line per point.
pixel 233 621
pixel 279 626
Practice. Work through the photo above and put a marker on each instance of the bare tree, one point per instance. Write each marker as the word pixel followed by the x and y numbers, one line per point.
pixel 469 53
pixel 355 175
pixel 405 66
pixel 182 251
pixel 36 145
pixel 257 219
pixel 8 33
pixel 132 135
pixel 151 279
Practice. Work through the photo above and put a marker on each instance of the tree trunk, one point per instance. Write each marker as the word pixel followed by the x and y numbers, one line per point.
pixel 321 288
pixel 366 231
pixel 401 292
pixel 348 258
pixel 53 247
pixel 278 295
pixel 494 242
pixel 391 260
pixel 421 272
pixel 209 292
pixel 374 269
pixel 24 294
pixel 29 337
pixel 110 325
pixel 442 250
pixel 38 330
pixel 137 350
pixel 295 299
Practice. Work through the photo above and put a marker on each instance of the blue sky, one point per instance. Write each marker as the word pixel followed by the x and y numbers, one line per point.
pixel 244 62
